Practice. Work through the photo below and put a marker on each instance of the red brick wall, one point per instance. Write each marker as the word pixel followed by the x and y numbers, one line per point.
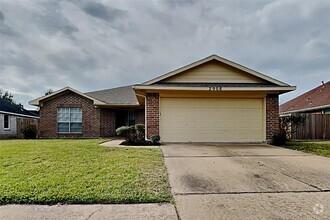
pixel 108 122
pixel 272 116
pixel 152 114
pixel 48 116
pixel 139 116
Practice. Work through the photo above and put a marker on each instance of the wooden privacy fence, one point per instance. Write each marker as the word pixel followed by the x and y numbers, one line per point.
pixel 316 127
pixel 22 122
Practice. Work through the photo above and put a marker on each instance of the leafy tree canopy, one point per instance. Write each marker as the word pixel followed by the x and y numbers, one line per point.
pixel 6 95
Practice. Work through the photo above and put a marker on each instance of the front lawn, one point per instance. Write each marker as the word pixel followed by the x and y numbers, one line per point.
pixel 319 148
pixel 80 171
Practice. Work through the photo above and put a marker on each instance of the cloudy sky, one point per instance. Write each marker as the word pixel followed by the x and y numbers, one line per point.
pixel 92 45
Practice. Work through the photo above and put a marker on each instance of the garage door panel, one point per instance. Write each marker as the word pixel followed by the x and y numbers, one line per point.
pixel 211 120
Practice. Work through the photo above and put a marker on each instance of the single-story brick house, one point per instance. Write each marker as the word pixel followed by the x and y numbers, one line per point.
pixel 211 100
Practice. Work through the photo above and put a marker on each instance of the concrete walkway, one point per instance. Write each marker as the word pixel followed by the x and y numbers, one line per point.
pixel 90 212
pixel 117 142
pixel 247 182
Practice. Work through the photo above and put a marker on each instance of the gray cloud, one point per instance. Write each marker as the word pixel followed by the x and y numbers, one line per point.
pixel 2 17
pixel 4 28
pixel 94 45
pixel 100 11
pixel 70 29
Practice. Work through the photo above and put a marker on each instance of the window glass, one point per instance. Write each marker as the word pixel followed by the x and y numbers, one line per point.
pixel 69 120
pixel 131 118
pixel 63 127
pixel 76 115
pixel 6 122
pixel 76 127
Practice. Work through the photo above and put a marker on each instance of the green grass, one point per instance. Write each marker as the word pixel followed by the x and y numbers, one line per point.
pixel 319 148
pixel 80 172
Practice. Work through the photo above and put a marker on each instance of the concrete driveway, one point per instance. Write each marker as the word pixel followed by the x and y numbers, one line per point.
pixel 212 181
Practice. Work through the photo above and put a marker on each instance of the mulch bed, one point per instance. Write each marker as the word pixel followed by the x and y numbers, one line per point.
pixel 143 143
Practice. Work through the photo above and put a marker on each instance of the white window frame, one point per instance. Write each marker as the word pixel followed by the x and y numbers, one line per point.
pixel 6 128
pixel 69 122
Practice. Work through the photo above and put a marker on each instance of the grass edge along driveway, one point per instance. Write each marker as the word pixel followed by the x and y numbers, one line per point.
pixel 318 148
pixel 80 171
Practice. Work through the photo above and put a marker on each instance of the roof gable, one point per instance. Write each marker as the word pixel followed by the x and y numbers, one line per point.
pixel 317 97
pixel 58 92
pixel 217 68
pixel 213 72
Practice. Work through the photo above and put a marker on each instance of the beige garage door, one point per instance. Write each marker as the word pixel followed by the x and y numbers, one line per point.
pixel 211 120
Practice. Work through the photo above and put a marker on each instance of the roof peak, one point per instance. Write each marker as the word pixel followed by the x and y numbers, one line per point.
pixel 221 60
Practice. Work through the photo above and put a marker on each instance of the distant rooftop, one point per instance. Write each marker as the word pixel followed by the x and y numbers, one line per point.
pixel 317 97
pixel 12 108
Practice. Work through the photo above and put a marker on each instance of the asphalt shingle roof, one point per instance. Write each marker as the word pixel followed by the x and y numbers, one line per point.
pixel 8 106
pixel 316 97
pixel 117 96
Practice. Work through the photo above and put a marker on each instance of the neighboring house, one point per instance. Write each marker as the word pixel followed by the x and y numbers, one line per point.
pixel 10 113
pixel 211 100
pixel 315 101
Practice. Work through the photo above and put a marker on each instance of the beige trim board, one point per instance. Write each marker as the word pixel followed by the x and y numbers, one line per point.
pixel 206 94
pixel 190 88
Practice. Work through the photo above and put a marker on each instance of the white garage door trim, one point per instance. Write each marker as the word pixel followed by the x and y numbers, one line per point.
pixel 212 119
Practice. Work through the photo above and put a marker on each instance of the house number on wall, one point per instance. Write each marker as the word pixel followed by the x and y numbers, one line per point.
pixel 215 88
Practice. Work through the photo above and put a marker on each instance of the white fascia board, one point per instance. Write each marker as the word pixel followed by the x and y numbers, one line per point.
pixel 306 109
pixel 20 115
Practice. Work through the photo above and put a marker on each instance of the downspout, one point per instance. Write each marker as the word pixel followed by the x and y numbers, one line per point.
pixel 145 116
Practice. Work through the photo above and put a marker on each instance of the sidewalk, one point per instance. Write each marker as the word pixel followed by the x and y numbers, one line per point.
pixel 127 212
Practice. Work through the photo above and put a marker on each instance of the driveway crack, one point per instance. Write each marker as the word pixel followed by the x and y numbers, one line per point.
pixel 98 210
pixel 293 177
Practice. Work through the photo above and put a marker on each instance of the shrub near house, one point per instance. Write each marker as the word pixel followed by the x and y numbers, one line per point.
pixel 135 135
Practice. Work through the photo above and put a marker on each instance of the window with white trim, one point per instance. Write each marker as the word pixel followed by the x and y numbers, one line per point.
pixel 6 123
pixel 69 120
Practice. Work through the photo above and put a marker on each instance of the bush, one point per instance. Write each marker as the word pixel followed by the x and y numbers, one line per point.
pixel 29 131
pixel 155 139
pixel 140 132
pixel 135 136
pixel 128 132
pixel 280 138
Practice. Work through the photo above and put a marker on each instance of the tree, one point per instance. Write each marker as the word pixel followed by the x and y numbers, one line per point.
pixel 288 126
pixel 49 91
pixel 6 95
pixel 290 123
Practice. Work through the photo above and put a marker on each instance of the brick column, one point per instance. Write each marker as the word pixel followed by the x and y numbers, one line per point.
pixel 139 116
pixel 107 122
pixel 272 116
pixel 152 114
